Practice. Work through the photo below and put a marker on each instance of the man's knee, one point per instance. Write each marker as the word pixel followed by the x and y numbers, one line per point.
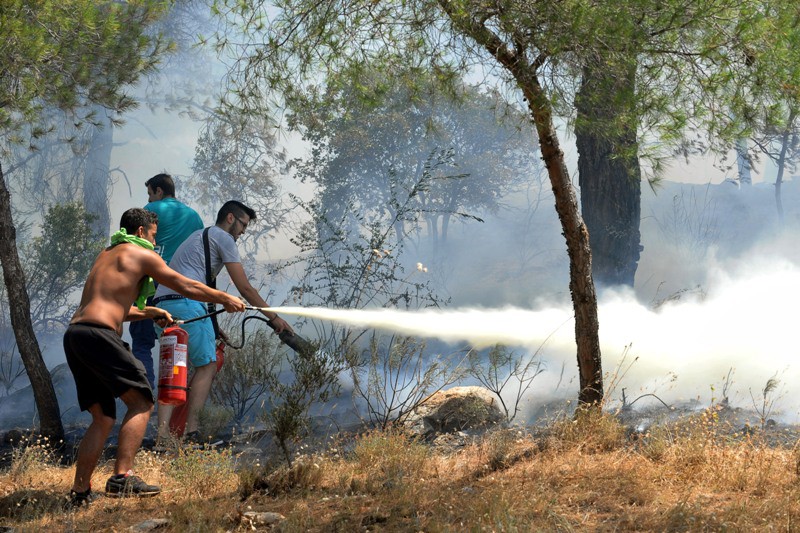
pixel 100 419
pixel 136 401
pixel 207 367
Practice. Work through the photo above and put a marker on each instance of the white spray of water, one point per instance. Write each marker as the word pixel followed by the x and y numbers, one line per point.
pixel 478 327
pixel 685 349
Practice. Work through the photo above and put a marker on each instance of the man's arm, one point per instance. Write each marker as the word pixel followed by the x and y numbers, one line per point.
pixel 161 316
pixel 159 271
pixel 249 293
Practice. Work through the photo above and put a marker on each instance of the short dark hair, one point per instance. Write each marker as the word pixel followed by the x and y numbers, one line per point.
pixel 135 217
pixel 237 208
pixel 162 181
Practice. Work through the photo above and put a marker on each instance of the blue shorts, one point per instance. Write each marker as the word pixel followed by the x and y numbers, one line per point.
pixel 202 344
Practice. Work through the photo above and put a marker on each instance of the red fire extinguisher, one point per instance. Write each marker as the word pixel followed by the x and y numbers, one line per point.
pixel 172 369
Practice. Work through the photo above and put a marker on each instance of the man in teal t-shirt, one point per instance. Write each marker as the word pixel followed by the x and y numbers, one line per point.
pixel 176 221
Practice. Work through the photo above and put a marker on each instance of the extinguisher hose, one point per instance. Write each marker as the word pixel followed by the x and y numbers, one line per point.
pixel 218 311
pixel 241 344
pixel 201 317
pixel 290 339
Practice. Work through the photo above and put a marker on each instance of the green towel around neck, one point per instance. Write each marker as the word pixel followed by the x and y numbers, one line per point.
pixel 148 288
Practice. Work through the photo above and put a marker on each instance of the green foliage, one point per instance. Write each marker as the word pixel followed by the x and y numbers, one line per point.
pixel 70 54
pixel 723 65
pixel 240 159
pixel 373 138
pixel 244 378
pixel 213 419
pixel 310 379
pixel 354 259
pixel 58 262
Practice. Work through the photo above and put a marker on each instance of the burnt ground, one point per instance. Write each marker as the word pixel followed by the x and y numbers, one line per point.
pixel 258 445
pixel 255 445
pixel 735 423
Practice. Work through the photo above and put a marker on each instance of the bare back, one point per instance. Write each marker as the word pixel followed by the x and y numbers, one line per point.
pixel 113 285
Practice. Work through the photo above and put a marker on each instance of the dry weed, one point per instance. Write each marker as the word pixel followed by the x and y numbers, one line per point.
pixel 501 449
pixel 303 476
pixel 692 476
pixel 200 473
pixel 29 457
pixel 590 430
pixel 387 460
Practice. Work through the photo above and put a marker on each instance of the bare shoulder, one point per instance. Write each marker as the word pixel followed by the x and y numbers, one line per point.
pixel 150 261
pixel 134 258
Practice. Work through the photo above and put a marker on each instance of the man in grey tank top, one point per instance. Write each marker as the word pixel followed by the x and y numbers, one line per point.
pixel 189 260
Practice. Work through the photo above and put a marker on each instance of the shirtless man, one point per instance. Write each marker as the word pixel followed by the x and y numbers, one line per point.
pixel 103 365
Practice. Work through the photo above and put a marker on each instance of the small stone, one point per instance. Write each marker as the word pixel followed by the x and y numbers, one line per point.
pixel 149 525
pixel 262 518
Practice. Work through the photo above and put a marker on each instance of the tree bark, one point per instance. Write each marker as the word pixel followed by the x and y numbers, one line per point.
pixel 782 165
pixel 609 177
pixel 20 309
pixel 581 284
pixel 96 180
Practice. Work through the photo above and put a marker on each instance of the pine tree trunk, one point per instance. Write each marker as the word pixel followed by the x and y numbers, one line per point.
pixel 581 284
pixel 20 308
pixel 782 165
pixel 609 177
pixel 96 180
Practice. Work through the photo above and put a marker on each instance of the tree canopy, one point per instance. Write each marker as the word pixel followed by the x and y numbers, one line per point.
pixel 71 54
pixel 691 61
pixel 365 146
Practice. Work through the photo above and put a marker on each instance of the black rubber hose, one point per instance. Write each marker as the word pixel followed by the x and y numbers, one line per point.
pixel 292 340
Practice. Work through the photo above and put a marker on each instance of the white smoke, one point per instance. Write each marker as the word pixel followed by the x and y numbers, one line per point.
pixel 744 325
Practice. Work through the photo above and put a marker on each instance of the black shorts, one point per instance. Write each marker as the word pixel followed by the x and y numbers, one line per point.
pixel 103 367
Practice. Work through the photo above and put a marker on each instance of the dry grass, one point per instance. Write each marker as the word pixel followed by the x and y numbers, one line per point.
pixel 577 476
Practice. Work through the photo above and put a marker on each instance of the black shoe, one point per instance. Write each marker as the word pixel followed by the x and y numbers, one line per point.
pixel 192 440
pixel 76 500
pixel 193 437
pixel 124 485
pixel 195 441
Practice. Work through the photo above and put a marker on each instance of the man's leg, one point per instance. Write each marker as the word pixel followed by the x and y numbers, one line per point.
pixel 122 483
pixel 164 415
pixel 143 338
pixel 198 393
pixel 133 428
pixel 91 447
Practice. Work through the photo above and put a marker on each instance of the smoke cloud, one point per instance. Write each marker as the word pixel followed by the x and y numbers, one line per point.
pixel 726 340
